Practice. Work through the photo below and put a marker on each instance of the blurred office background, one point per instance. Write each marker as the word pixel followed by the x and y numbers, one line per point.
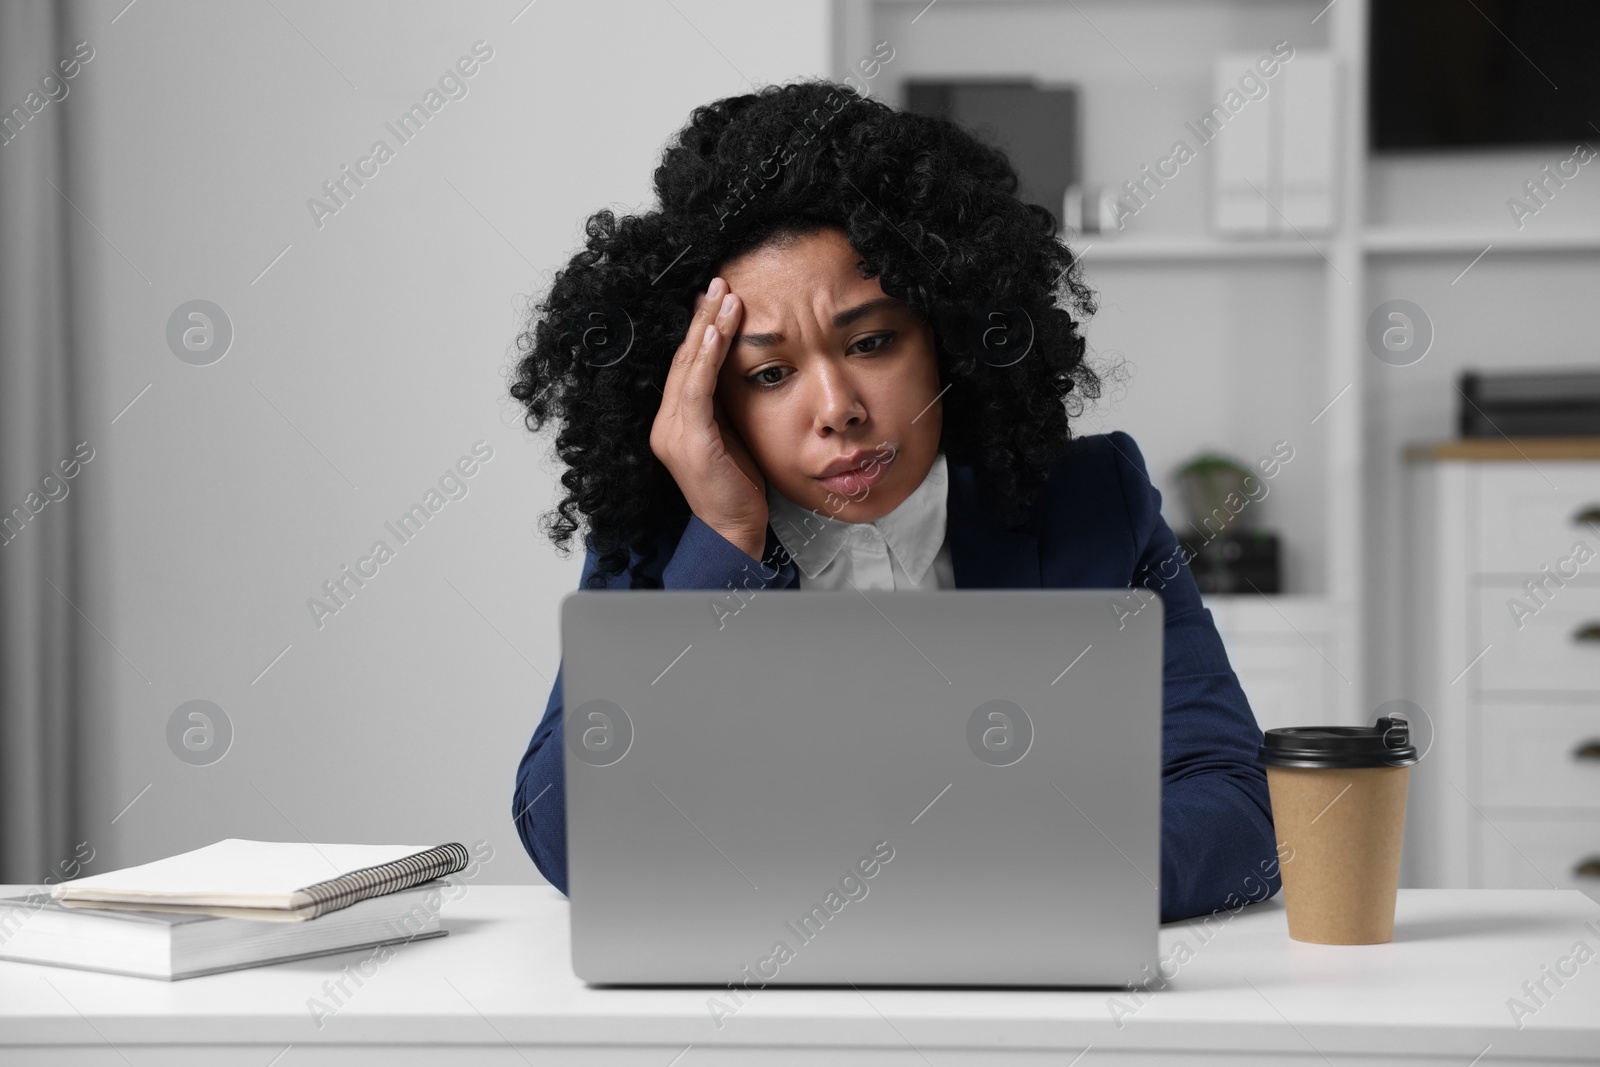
pixel 246 388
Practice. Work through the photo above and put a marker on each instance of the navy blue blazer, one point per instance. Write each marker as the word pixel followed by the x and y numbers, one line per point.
pixel 1096 524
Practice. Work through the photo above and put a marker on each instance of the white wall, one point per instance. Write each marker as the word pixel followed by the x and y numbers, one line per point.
pixel 366 361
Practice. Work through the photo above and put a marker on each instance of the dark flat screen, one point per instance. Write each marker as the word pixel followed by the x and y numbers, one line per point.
pixel 1481 73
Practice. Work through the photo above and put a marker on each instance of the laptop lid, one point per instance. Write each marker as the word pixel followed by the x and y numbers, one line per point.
pixel 953 787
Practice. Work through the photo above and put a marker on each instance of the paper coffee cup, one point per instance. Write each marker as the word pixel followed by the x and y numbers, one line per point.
pixel 1339 812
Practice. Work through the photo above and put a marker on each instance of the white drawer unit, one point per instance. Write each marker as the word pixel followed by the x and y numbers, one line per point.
pixel 1508 795
pixel 1538 756
pixel 1525 522
pixel 1555 646
pixel 1540 854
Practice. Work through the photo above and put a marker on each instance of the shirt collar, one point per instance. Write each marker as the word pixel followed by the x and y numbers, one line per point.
pixel 914 530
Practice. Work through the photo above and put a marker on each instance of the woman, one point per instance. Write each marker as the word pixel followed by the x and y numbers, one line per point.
pixel 842 352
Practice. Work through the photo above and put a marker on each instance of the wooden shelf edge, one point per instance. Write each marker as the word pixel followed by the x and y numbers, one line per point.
pixel 1504 448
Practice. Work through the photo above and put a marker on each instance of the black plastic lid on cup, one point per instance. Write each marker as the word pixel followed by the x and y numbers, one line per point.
pixel 1386 743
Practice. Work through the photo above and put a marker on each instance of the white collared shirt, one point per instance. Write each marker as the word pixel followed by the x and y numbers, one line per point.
pixel 905 549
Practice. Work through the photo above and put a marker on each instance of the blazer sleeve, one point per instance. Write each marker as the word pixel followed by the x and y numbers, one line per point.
pixel 703 559
pixel 1218 849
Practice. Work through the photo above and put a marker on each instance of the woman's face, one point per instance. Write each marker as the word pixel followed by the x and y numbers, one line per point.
pixel 825 366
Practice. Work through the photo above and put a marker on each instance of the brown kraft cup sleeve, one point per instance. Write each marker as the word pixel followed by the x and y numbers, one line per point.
pixel 1339 833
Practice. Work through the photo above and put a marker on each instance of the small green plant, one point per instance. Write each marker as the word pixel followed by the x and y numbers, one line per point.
pixel 1208 480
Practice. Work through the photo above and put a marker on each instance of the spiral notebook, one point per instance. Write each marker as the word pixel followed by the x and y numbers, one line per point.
pixel 274 881
pixel 149 944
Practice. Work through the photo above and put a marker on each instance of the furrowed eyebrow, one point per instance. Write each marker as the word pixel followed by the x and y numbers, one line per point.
pixel 840 320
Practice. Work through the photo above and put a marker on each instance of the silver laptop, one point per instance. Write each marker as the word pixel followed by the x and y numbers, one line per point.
pixel 956 787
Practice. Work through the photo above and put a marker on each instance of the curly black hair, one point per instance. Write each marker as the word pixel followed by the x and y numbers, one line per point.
pixel 933 213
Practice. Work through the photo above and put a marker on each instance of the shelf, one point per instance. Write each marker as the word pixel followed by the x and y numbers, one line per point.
pixel 1287 614
pixel 1518 449
pixel 1380 241
pixel 1427 240
pixel 1099 248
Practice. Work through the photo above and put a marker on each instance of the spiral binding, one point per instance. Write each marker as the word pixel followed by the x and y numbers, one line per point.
pixel 345 890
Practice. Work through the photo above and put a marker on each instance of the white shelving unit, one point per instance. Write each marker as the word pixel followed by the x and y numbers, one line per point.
pixel 1299 654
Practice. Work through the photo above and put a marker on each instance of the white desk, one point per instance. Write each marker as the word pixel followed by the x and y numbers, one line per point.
pixel 500 990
